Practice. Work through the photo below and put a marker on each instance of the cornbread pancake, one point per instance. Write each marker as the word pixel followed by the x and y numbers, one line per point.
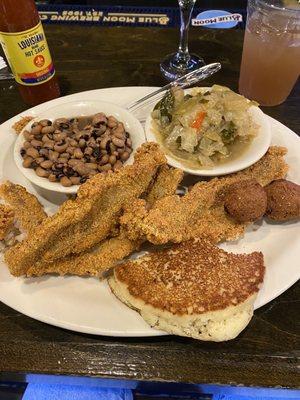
pixel 82 223
pixel 283 200
pixel 201 211
pixel 245 201
pixel 28 210
pixel 6 220
pixel 192 289
pixel 96 261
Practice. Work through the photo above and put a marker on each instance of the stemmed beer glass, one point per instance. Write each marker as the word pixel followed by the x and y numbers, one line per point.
pixel 182 62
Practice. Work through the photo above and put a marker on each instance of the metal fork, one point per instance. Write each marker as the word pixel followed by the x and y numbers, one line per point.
pixel 183 82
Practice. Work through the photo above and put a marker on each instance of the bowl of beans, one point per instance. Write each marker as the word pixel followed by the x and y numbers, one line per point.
pixel 66 145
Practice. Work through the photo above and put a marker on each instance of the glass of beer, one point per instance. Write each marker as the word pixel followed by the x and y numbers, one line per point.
pixel 271 55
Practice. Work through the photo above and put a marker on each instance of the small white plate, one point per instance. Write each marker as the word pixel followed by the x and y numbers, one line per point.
pixel 76 109
pixel 87 304
pixel 257 148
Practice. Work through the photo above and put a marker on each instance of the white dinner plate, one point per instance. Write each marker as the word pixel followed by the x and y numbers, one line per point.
pixel 86 304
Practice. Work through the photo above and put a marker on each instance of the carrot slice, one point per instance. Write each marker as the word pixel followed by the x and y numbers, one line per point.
pixel 198 120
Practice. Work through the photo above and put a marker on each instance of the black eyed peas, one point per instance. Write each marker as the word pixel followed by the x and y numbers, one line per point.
pixel 32 152
pixel 71 150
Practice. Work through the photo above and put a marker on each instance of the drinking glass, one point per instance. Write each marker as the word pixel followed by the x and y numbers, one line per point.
pixel 271 55
pixel 182 62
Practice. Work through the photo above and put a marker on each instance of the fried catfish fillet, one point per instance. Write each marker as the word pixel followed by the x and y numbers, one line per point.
pixel 21 123
pixel 201 211
pixel 165 184
pixel 92 263
pixel 82 223
pixel 27 209
pixel 6 220
pixel 112 250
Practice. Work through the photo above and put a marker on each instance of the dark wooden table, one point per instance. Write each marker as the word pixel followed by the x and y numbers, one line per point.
pixel 265 354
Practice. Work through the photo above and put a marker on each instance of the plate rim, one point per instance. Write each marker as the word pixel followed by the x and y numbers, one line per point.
pixel 85 329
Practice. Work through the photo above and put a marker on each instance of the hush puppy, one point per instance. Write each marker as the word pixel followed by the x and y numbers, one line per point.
pixel 283 202
pixel 245 201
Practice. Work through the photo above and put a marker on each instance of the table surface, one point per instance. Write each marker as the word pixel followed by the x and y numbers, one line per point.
pixel 265 354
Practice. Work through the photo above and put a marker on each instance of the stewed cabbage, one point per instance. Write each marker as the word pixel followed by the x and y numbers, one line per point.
pixel 204 124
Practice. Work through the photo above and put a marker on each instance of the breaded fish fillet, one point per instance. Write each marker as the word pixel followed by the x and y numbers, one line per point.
pixel 201 211
pixel 28 210
pixel 92 263
pixel 82 223
pixel 112 250
pixel 6 220
pixel 21 123
pixel 165 184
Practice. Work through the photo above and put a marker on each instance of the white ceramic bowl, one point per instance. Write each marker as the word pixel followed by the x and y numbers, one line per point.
pixel 257 148
pixel 73 109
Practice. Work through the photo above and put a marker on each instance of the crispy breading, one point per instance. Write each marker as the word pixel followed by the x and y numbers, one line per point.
pixel 165 184
pixel 201 211
pixel 28 210
pixel 110 251
pixel 6 220
pixel 92 263
pixel 20 125
pixel 82 223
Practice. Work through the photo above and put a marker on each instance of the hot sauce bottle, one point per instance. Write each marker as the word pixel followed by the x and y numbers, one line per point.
pixel 25 46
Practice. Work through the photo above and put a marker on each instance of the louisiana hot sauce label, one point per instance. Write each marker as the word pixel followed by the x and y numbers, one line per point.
pixel 28 55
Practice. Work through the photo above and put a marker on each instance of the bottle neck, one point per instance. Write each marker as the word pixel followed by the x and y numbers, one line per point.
pixel 18 18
